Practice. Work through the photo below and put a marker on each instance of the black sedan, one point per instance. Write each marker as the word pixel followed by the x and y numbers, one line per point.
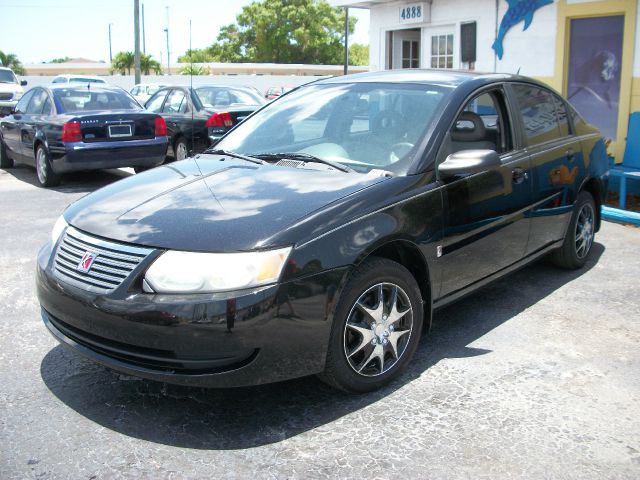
pixel 323 232
pixel 198 117
pixel 60 129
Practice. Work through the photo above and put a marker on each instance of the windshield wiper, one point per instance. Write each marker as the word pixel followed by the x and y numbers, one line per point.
pixel 235 155
pixel 305 157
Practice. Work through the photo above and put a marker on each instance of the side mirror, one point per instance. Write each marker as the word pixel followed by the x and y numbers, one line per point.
pixel 23 83
pixel 468 162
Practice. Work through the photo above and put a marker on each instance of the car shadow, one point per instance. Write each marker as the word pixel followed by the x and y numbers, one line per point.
pixel 254 416
pixel 72 182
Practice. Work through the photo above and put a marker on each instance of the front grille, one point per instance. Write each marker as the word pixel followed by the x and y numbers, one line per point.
pixel 112 264
pixel 6 96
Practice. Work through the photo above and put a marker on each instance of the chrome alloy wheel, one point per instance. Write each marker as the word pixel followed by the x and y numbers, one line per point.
pixel 378 329
pixel 181 151
pixel 584 230
pixel 41 165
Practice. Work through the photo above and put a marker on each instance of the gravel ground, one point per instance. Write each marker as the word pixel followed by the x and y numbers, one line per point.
pixel 536 376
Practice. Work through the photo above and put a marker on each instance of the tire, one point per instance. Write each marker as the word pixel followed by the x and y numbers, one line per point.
pixel 141 169
pixel 180 150
pixel 45 174
pixel 5 161
pixel 369 346
pixel 579 237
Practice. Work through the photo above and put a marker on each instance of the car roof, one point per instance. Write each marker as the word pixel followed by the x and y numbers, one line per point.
pixel 95 87
pixel 446 77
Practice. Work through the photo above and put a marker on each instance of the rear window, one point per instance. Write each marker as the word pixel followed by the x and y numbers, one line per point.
pixel 84 100
pixel 222 97
pixel 86 80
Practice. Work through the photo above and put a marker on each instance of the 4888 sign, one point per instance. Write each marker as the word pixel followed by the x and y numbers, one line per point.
pixel 412 13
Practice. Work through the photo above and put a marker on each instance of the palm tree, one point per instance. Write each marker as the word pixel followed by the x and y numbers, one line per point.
pixel 123 62
pixel 11 60
pixel 147 64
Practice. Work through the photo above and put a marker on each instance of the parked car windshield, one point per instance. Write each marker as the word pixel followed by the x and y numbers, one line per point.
pixel 222 96
pixel 80 99
pixel 362 125
pixel 7 76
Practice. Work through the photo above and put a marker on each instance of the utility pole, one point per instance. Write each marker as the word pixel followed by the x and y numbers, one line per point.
pixel 166 30
pixel 110 54
pixel 144 38
pixel 346 39
pixel 136 30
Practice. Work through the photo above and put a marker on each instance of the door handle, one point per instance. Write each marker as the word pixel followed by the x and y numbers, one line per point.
pixel 519 175
pixel 570 154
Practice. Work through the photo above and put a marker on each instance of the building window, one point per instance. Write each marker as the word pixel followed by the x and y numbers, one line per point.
pixel 410 54
pixel 442 51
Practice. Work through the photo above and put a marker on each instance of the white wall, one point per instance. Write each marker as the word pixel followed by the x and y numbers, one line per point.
pixel 533 51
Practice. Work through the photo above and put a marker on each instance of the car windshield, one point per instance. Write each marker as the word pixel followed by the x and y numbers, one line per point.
pixel 84 100
pixel 7 76
pixel 224 97
pixel 364 126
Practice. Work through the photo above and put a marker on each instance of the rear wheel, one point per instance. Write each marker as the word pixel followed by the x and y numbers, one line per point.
pixel 5 161
pixel 580 234
pixel 46 176
pixel 376 328
pixel 180 149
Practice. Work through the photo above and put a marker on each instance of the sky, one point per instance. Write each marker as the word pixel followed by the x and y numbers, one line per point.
pixel 41 30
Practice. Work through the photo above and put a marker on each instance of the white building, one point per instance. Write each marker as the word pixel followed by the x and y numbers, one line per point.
pixel 587 50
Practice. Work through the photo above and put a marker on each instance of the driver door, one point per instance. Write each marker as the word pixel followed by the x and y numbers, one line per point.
pixel 486 214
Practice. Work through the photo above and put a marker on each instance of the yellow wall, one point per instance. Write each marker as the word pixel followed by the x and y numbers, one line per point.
pixel 629 95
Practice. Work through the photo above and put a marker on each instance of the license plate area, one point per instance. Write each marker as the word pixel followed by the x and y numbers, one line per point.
pixel 116 131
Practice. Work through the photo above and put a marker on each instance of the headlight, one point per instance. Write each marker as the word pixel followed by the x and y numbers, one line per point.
pixel 18 95
pixel 193 272
pixel 58 228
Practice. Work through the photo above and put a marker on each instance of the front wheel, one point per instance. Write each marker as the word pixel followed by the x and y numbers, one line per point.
pixel 376 329
pixel 579 237
pixel 46 176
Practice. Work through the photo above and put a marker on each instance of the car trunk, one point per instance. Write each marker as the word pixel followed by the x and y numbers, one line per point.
pixel 117 127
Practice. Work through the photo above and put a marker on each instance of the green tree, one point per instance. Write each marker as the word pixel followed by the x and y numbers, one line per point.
pixel 198 55
pixel 147 64
pixel 60 60
pixel 194 70
pixel 284 31
pixel 11 60
pixel 123 62
pixel 358 54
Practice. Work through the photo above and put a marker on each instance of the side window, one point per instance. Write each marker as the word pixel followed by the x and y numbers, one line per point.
pixel 21 107
pixel 37 102
pixel 176 102
pixel 135 91
pixel 563 120
pixel 579 123
pixel 155 104
pixel 483 125
pixel 538 112
pixel 47 109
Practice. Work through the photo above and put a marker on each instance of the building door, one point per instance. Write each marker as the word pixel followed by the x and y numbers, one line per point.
pixel 403 49
pixel 593 83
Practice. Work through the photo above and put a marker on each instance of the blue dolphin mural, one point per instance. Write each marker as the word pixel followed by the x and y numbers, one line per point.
pixel 518 10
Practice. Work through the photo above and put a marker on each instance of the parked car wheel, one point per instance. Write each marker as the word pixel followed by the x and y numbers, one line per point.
pixel 376 327
pixel 580 234
pixel 180 149
pixel 5 161
pixel 46 176
pixel 140 169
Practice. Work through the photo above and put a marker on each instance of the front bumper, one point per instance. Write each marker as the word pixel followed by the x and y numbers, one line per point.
pixel 216 340
pixel 99 155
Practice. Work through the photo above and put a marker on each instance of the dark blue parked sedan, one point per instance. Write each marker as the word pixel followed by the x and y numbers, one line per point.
pixel 67 128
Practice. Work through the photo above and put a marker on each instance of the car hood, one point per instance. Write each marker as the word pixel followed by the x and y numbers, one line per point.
pixel 210 203
pixel 10 87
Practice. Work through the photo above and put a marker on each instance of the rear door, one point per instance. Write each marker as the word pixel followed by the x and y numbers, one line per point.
pixel 177 114
pixel 557 163
pixel 29 124
pixel 486 221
